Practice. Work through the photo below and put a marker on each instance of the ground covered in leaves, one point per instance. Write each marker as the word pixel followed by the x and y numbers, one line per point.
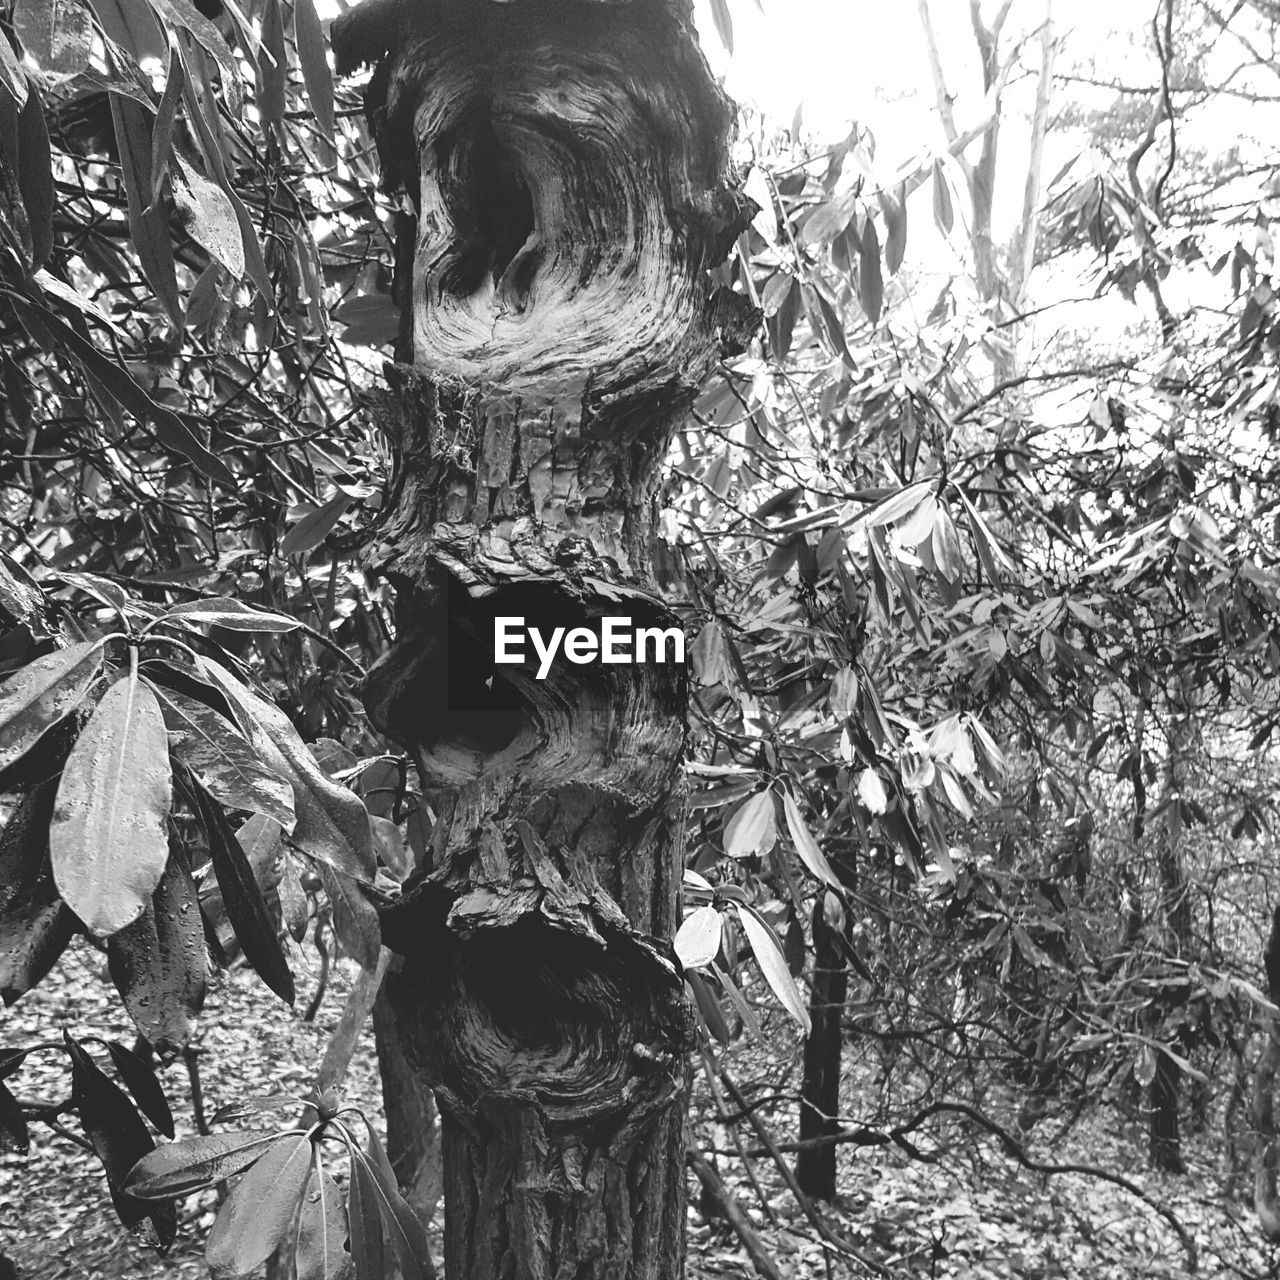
pixel 971 1215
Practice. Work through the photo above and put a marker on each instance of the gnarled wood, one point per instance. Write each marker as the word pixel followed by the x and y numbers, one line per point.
pixel 566 164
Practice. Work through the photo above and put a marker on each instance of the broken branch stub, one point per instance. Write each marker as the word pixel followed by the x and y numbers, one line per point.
pixel 567 196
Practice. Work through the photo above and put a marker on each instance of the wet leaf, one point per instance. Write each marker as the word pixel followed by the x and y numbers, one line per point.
pixel 234 615
pixel 246 909
pixel 42 693
pixel 333 824
pixel 140 1079
pixel 228 766
pixel 259 1212
pixel 119 1139
pixel 160 965
pixel 178 1168
pixel 209 217
pixel 311 43
pixel 57 34
pixel 108 840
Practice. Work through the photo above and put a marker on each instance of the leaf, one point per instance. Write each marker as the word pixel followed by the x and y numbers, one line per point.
pixel 178 1168
pixel 1144 1066
pixel 311 43
pixel 773 965
pixel 141 1081
pixel 319 1252
pixel 14 1135
pixel 148 228
pixel 355 918
pixel 698 939
pixel 258 1213
pixel 243 1108
pixel 160 966
pixel 234 615
pixel 132 25
pixel 333 823
pixel 35 924
pixel 108 840
pixel 243 899
pixel 943 214
pixel 162 129
pixel 119 383
pixel 895 221
pixel 183 13
pixel 724 22
pixel 404 1228
pixel 871 792
pixel 364 1220
pixel 807 847
pixel 752 829
pixel 42 693
pixel 208 215
pixel 12 77
pixel 709 1007
pixel 119 1139
pixel 35 176
pixel 870 283
pixel 314 527
pixel 228 766
pixel 57 34
pixel 392 847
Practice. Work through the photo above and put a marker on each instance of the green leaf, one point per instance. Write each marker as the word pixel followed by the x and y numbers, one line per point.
pixel 807 847
pixel 118 1137
pixel 141 1081
pixel 315 65
pixel 13 79
pixel 234 615
pixel 57 34
pixel 182 13
pixel 333 823
pixel 895 221
pixel 160 966
pixel 773 965
pixel 227 764
pixel 132 25
pixel 108 840
pixel 319 1250
pixel 246 909
pixel 178 1168
pixel 259 1212
pixel 42 693
pixel 315 526
pixel 243 1108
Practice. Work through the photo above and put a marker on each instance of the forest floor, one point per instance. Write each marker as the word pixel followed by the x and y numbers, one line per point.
pixel 973 1214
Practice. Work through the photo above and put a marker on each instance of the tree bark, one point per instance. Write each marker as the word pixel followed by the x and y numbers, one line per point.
pixel 566 164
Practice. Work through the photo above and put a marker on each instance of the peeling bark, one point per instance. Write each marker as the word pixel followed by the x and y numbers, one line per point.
pixel 569 193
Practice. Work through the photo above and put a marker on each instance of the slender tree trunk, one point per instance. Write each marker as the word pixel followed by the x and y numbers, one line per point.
pixel 566 164
pixel 823 1048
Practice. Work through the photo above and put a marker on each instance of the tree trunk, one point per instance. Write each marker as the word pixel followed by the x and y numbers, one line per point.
pixel 567 168
pixel 820 1091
